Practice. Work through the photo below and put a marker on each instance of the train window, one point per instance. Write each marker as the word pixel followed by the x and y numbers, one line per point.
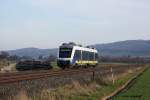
pixel 65 52
pixel 96 56
pixel 85 55
pixel 77 54
pixel 91 56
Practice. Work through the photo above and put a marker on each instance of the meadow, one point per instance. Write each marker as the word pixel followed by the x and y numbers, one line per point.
pixel 70 87
pixel 140 90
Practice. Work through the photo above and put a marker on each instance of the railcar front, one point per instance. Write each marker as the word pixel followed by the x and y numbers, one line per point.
pixel 64 56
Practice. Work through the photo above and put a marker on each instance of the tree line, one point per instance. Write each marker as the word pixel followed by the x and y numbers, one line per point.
pixel 5 55
pixel 125 59
pixel 52 58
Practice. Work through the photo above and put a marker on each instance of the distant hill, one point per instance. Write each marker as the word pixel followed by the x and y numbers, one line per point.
pixel 33 52
pixel 122 48
pixel 125 48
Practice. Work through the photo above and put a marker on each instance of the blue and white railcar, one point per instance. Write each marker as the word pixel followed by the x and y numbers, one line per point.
pixel 71 55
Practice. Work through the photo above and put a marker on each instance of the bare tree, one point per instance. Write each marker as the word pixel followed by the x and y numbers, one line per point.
pixel 4 55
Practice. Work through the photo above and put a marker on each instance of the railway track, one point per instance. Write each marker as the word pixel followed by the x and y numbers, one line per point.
pixel 6 78
pixel 21 76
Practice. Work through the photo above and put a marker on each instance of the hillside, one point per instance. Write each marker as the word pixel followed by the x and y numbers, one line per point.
pixel 33 52
pixel 125 48
pixel 121 48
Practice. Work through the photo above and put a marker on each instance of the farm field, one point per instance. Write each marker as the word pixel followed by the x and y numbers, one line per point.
pixel 140 90
pixel 71 87
pixel 109 87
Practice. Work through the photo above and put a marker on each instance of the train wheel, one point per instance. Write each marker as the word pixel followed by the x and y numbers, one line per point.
pixel 63 67
pixel 85 66
pixel 93 66
pixel 76 66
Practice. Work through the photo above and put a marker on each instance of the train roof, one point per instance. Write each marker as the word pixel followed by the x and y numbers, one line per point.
pixel 78 47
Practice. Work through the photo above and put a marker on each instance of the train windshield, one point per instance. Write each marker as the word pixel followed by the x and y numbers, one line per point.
pixel 65 52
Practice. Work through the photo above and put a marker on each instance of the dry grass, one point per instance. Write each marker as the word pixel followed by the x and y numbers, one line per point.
pixel 3 63
pixel 40 90
pixel 21 96
pixel 67 91
pixel 7 66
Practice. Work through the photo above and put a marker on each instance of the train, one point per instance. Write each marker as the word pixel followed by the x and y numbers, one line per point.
pixel 73 55
pixel 33 65
pixel 70 55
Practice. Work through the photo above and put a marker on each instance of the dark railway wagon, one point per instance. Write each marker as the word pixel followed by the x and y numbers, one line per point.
pixel 33 65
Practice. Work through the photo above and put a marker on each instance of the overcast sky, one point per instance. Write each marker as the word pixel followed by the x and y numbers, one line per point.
pixel 48 23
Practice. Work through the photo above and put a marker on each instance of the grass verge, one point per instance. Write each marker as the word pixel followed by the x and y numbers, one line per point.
pixel 92 90
pixel 84 90
pixel 108 88
pixel 139 91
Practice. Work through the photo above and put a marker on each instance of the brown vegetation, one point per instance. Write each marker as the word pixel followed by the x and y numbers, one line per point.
pixel 63 87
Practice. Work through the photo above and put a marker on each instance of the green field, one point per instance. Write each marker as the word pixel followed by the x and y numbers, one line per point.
pixel 140 90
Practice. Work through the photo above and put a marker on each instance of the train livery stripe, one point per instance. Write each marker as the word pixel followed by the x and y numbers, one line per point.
pixel 86 62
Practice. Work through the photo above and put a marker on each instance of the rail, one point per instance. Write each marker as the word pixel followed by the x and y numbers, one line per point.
pixel 6 78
